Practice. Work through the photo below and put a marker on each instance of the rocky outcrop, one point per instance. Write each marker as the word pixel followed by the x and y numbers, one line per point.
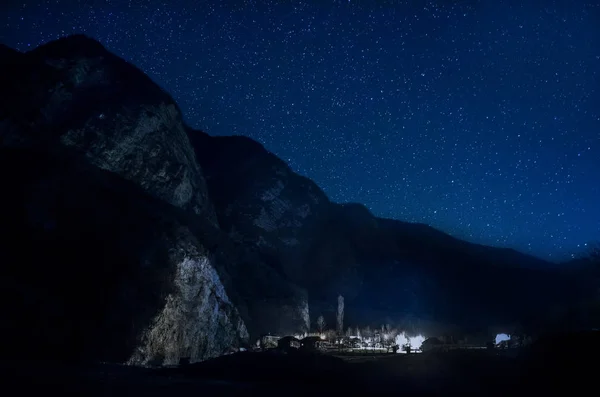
pixel 166 282
pixel 277 215
pixel 192 322
pixel 75 91
pixel 105 207
pixel 267 300
pixel 97 269
pixel 268 206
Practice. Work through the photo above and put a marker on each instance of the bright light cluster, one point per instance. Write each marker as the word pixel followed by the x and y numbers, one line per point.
pixel 414 342
pixel 502 338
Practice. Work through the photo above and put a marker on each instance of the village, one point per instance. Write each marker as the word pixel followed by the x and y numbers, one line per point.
pixel 382 340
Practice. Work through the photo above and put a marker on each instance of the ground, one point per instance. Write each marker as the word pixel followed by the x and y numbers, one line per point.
pixel 470 372
pixel 462 371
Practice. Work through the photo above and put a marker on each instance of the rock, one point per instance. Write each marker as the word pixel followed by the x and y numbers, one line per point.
pixel 268 301
pixel 275 219
pixel 268 206
pixel 75 91
pixel 72 99
pixel 103 271
pixel 198 320
pixel 94 154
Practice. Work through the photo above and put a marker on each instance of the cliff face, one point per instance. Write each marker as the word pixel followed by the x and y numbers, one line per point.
pixel 104 206
pixel 268 206
pixel 96 269
pixel 75 91
pixel 166 281
pixel 198 320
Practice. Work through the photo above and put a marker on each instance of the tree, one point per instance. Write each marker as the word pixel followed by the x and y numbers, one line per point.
pixel 388 338
pixel 321 324
pixel 340 315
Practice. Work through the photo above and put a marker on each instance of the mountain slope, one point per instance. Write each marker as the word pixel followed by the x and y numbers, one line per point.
pixel 166 242
pixel 385 268
pixel 123 256
pixel 95 268
pixel 75 91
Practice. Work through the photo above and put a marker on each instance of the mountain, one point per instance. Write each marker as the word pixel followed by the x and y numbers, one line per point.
pixel 130 237
pixel 111 245
pixel 385 268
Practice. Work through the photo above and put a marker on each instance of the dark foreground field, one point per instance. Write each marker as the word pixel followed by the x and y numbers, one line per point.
pixel 546 369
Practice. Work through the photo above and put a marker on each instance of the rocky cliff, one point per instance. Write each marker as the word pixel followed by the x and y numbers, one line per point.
pixel 108 233
pixel 72 99
pixel 95 268
pixel 266 205
pixel 128 236
pixel 75 91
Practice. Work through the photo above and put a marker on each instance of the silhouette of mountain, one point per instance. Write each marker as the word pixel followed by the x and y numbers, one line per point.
pixel 131 236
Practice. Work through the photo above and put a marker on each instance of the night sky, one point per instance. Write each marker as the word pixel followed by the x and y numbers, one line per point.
pixel 480 118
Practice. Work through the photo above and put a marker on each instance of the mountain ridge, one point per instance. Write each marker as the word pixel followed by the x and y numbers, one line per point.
pixel 268 250
pixel 416 225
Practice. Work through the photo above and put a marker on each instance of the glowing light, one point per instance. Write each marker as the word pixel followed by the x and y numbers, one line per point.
pixel 502 338
pixel 414 342
pixel 401 340
pixel 417 341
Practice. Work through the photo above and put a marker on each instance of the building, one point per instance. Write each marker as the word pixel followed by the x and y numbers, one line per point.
pixel 268 341
pixel 288 343
pixel 312 343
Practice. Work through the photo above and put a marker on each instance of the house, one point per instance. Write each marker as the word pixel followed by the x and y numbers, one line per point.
pixel 268 341
pixel 354 343
pixel 288 343
pixel 312 343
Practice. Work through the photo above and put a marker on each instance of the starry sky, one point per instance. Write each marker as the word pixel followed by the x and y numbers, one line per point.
pixel 480 118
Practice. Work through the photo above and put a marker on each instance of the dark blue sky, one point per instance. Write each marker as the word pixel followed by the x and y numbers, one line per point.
pixel 481 118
